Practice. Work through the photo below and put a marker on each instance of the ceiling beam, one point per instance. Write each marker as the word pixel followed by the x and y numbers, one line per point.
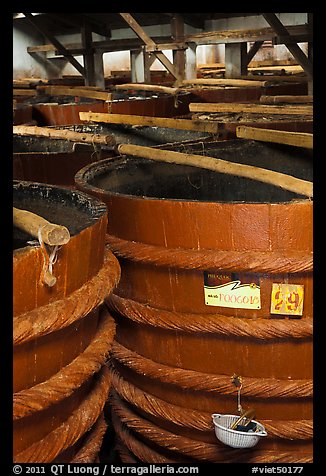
pixel 61 49
pixel 294 48
pixel 150 44
pixel 78 20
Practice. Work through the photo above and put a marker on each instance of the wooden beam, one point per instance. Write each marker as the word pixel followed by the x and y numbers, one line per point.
pixel 297 139
pixel 278 179
pixel 64 134
pixel 162 42
pixel 75 91
pixel 137 29
pixel 24 92
pixel 251 108
pixel 287 39
pixel 150 44
pixel 304 99
pixel 78 19
pixel 253 50
pixel 168 65
pixel 171 123
pixel 56 43
pixel 236 36
pixel 283 78
pixel 296 51
pixel 226 82
pixel 148 87
pixel 89 66
pixel 179 56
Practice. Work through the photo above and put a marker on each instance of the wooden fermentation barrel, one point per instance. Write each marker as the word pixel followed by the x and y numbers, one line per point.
pixel 182 236
pixel 62 333
pixel 55 112
pixel 56 161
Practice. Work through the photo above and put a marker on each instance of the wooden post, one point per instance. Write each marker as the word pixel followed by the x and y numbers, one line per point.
pixel 183 124
pixel 64 134
pixel 191 66
pixel 140 64
pixel 235 60
pixel 297 139
pixel 86 39
pixel 99 70
pixel 179 57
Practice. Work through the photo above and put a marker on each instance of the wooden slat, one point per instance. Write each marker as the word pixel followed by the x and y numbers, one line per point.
pixel 64 134
pixel 183 124
pixel 297 139
pixel 226 82
pixel 75 91
pixel 251 108
pixel 148 87
pixel 24 92
pixel 304 99
pixel 235 36
pixel 283 78
pixel 278 179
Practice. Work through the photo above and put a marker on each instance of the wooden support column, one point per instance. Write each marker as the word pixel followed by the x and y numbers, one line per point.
pixel 179 56
pixel 140 64
pixel 191 62
pixel 235 60
pixel 86 38
pixel 99 70
pixel 93 62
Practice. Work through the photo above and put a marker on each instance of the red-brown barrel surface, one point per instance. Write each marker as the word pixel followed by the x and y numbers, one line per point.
pixel 216 282
pixel 62 332
pixel 65 111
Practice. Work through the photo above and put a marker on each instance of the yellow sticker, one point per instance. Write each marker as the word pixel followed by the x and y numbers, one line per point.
pixel 287 299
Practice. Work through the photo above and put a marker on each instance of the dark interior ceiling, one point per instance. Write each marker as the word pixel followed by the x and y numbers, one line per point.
pixel 65 23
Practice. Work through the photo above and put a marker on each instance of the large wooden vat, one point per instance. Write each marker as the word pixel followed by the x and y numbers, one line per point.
pixel 57 111
pixel 175 353
pixel 62 333
pixel 56 161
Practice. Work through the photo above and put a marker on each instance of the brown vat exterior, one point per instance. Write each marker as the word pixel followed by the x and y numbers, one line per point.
pixel 246 94
pixel 22 114
pixel 166 357
pixel 164 105
pixel 47 114
pixel 56 168
pixel 56 336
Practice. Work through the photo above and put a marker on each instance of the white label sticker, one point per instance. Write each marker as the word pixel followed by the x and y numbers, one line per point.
pixel 233 294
